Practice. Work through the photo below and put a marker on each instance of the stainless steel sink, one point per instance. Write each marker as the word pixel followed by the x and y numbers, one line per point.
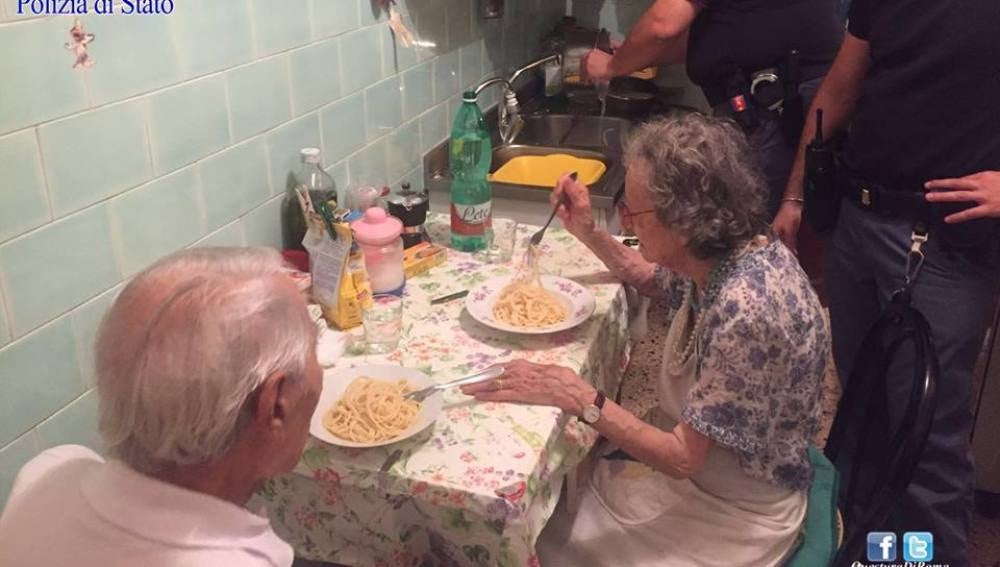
pixel 603 134
pixel 589 137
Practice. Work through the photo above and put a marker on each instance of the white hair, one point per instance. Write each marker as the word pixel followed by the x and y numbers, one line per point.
pixel 185 346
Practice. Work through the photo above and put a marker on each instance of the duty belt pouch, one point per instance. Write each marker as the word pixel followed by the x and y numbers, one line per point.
pixel 792 107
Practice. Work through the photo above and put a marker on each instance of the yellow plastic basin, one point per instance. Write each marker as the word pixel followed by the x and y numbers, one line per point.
pixel 544 171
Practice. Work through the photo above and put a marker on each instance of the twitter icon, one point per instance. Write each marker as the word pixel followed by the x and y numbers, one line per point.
pixel 918 546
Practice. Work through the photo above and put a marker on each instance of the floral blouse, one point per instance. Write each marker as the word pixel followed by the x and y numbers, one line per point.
pixel 762 351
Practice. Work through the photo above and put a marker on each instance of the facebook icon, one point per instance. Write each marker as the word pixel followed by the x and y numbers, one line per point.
pixel 881 546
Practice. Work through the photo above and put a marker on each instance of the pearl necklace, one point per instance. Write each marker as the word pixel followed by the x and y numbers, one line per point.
pixel 716 278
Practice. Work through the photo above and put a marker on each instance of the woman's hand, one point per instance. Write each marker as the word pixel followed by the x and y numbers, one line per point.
pixel 537 384
pixel 574 207
pixel 982 190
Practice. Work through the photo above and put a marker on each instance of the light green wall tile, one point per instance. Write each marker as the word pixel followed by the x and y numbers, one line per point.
pixel 5 335
pixel 396 57
pixel 56 267
pixel 368 166
pixel 334 17
pixel 280 24
pixel 157 219
pixel 403 149
pixel 94 155
pixel 435 126
pixel 383 108
pixel 38 81
pixel 234 181
pixel 85 320
pixel 471 64
pixel 315 75
pixel 494 62
pixel 262 226
pixel 12 458
pixel 360 54
pixel 343 125
pixel 446 71
pixel 40 375
pixel 188 122
pixel 460 31
pixel 210 35
pixel 259 96
pixel 132 54
pixel 284 144
pixel 418 90
pixel 229 235
pixel 371 12
pixel 75 424
pixel 22 188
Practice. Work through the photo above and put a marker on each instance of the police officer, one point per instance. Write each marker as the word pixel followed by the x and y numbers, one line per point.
pixel 730 45
pixel 918 81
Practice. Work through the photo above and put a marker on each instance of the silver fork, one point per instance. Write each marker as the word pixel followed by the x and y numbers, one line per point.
pixel 490 373
pixel 536 238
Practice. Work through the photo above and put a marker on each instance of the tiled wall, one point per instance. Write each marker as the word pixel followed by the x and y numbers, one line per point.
pixel 183 134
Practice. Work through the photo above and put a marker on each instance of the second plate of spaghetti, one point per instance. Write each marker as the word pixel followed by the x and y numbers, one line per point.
pixel 507 304
pixel 364 406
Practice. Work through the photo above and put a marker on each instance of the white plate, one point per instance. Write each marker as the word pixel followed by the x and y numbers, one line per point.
pixel 336 381
pixel 577 299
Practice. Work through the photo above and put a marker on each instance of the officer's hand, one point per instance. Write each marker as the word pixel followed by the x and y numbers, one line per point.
pixel 786 224
pixel 981 189
pixel 574 209
pixel 596 67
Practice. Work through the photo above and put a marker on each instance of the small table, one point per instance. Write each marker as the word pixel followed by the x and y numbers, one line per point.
pixel 478 487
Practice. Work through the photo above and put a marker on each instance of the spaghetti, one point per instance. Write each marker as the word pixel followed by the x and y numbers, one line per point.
pixel 525 303
pixel 371 411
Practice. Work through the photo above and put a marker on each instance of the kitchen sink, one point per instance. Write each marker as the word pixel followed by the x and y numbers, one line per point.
pixel 588 137
pixel 603 134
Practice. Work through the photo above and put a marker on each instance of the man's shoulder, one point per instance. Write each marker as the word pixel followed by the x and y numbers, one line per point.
pixel 53 460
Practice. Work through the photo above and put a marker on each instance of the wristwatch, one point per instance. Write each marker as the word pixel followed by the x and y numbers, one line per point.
pixel 592 412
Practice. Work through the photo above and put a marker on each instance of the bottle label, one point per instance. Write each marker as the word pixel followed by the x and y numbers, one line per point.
pixel 471 219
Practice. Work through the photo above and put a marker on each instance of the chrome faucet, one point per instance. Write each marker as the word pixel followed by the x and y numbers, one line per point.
pixel 511 123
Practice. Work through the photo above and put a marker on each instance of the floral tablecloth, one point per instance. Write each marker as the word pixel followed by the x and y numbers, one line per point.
pixel 478 487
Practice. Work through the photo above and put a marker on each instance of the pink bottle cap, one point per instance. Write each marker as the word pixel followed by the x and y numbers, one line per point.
pixel 377 228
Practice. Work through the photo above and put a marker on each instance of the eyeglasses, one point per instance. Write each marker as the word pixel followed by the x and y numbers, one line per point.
pixel 626 214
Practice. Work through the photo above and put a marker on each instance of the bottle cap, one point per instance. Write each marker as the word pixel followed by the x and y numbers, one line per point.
pixel 377 228
pixel 310 155
pixel 469 96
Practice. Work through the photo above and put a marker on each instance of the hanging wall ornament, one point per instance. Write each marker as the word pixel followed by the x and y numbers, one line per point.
pixel 78 45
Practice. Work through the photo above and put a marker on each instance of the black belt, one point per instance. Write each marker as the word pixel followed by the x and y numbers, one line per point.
pixel 869 196
pixel 715 93
pixel 977 235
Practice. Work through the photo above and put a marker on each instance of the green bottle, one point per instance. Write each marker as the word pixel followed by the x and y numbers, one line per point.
pixel 469 160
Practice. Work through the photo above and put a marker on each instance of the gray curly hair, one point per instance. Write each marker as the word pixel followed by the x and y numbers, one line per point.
pixel 702 181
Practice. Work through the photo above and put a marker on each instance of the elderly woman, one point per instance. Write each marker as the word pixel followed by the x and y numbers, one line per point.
pixel 207 378
pixel 722 468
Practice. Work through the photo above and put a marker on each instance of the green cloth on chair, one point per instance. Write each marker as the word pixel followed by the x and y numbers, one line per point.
pixel 819 542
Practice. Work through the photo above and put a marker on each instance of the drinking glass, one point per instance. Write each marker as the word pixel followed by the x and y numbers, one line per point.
pixel 383 322
pixel 500 242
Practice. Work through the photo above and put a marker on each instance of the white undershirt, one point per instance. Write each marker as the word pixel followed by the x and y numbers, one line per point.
pixel 70 507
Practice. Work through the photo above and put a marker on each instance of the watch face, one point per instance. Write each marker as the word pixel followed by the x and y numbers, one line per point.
pixel 591 414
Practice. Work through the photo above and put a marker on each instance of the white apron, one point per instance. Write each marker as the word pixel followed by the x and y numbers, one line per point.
pixel 633 516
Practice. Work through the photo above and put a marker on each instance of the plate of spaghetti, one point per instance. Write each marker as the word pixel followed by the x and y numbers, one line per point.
pixel 534 305
pixel 365 407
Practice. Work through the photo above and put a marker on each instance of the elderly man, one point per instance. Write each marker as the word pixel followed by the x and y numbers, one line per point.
pixel 718 474
pixel 207 379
